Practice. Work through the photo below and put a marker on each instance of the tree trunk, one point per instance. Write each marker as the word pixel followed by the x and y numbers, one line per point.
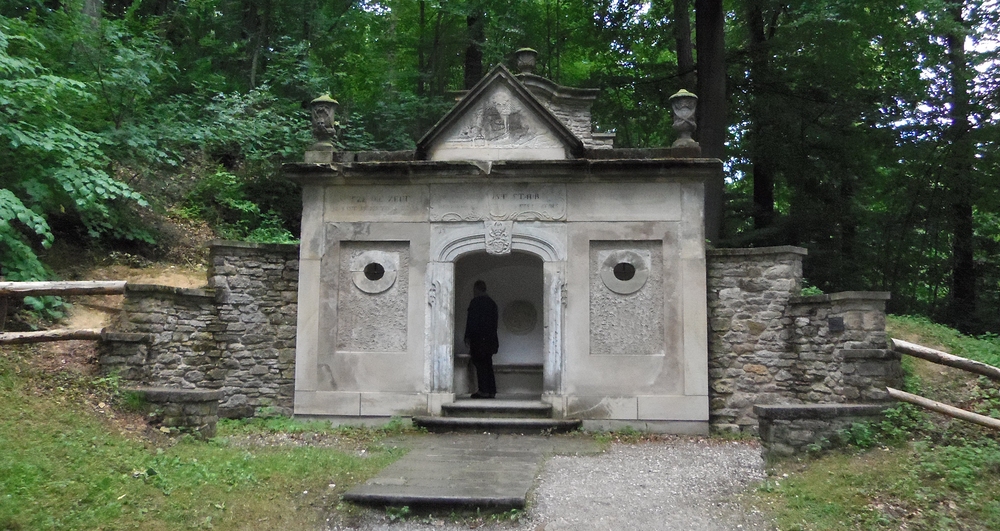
pixel 93 9
pixel 960 164
pixel 474 50
pixel 421 51
pixel 760 131
pixel 710 31
pixel 433 64
pixel 685 52
pixel 256 28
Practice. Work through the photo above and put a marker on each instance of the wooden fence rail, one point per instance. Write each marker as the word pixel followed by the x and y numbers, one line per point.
pixel 60 288
pixel 943 358
pixel 80 287
pixel 945 409
pixel 41 336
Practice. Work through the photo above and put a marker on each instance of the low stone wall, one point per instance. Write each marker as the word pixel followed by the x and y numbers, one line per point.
pixel 841 349
pixel 768 345
pixel 237 336
pixel 174 327
pixel 792 429
pixel 188 411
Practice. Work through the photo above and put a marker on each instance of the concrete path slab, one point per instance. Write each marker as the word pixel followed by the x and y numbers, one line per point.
pixel 469 470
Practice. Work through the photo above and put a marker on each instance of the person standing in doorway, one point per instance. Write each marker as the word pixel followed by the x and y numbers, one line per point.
pixel 481 338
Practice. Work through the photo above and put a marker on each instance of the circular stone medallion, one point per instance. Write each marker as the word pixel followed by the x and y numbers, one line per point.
pixel 374 271
pixel 519 317
pixel 625 271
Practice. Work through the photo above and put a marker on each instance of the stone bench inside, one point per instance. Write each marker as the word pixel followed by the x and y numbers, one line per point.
pixel 514 381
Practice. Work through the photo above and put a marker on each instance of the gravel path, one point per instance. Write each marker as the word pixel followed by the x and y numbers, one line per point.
pixel 677 484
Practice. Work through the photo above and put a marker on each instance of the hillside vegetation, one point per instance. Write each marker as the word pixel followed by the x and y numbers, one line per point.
pixel 916 470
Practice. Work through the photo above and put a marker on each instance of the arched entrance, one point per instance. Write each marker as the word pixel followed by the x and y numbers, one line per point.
pixel 516 282
pixel 452 243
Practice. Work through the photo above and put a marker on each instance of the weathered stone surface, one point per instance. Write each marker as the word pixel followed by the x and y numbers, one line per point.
pixel 767 344
pixel 193 411
pixel 197 339
pixel 787 430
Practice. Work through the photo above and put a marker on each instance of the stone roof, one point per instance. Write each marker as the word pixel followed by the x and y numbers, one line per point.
pixel 515 117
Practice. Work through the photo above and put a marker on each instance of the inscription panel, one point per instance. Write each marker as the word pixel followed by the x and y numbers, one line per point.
pixel 498 202
pixel 376 203
pixel 629 202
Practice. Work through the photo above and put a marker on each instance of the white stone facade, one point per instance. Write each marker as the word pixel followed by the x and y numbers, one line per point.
pixel 609 349
pixel 597 265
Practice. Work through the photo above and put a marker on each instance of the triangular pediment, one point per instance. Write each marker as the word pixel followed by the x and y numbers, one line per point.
pixel 499 119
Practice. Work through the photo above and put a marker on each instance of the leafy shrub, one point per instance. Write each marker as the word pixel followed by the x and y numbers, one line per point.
pixel 221 200
pixel 47 164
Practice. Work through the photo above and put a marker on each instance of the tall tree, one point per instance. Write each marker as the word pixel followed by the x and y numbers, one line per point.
pixel 761 25
pixel 959 168
pixel 473 70
pixel 685 52
pixel 710 17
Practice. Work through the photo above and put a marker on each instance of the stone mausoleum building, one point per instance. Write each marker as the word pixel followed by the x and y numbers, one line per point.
pixel 612 310
pixel 595 257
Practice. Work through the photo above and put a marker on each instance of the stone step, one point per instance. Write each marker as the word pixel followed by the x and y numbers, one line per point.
pixel 498 408
pixel 466 471
pixel 496 424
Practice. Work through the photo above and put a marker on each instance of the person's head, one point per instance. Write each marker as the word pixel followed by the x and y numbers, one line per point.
pixel 479 287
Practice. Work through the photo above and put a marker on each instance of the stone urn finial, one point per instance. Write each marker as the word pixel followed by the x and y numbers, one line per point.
pixel 324 125
pixel 684 104
pixel 526 60
pixel 323 112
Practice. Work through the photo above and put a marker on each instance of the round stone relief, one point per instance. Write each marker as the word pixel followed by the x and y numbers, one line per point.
pixel 519 317
pixel 374 271
pixel 625 272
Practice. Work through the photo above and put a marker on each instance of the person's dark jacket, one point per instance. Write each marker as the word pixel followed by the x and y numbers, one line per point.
pixel 481 326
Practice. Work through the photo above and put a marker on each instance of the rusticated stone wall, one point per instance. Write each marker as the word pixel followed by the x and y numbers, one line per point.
pixel 768 345
pixel 236 336
pixel 256 289
pixel 164 338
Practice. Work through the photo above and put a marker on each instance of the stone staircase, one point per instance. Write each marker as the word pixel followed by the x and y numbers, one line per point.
pixel 501 415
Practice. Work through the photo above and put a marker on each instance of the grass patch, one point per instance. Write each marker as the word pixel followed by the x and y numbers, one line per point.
pixel 915 470
pixel 985 348
pixel 63 468
pixel 920 485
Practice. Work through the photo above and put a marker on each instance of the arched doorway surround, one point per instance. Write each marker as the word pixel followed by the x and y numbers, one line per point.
pixel 451 241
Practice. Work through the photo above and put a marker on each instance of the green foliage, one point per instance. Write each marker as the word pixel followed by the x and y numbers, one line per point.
pixel 858 434
pixel 899 424
pixel 49 166
pixel 844 106
pixel 398 513
pixel 221 199
pixel 626 435
pixel 809 289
